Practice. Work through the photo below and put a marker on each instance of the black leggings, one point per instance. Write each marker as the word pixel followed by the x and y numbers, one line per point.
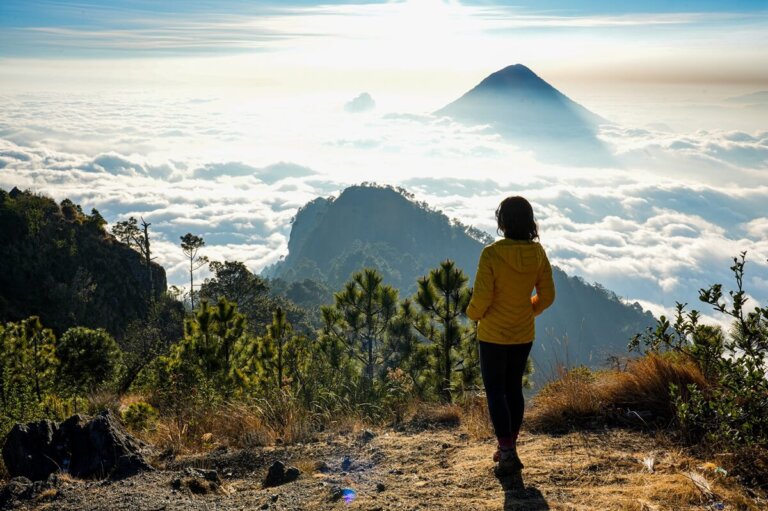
pixel 502 366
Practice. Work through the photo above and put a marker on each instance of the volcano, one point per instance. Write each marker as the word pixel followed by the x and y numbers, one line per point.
pixel 522 107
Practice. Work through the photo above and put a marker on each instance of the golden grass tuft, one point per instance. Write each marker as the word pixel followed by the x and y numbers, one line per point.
pixel 475 418
pixel 582 398
pixel 646 382
pixel 233 425
pixel 429 415
pixel 49 494
pixel 244 424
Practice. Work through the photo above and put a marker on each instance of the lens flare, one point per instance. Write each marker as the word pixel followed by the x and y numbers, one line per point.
pixel 348 494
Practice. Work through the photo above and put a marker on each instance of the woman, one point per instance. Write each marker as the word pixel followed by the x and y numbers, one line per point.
pixel 507 273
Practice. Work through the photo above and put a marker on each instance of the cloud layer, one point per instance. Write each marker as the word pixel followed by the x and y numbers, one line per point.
pixel 664 222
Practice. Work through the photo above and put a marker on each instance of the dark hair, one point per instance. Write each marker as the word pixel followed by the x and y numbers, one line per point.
pixel 514 217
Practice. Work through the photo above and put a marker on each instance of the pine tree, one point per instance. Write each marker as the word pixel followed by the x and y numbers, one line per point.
pixel 443 296
pixel 361 318
pixel 283 356
pixel 87 358
pixel 213 344
pixel 235 282
pixel 27 366
pixel 278 331
pixel 129 233
pixel 191 245
pixel 405 349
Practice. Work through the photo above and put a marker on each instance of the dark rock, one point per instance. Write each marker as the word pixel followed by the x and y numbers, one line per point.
pixel 367 435
pixel 380 487
pixel 18 488
pixel 200 481
pixel 278 474
pixel 30 450
pixel 275 474
pixel 336 493
pixel 208 475
pixel 291 474
pixel 99 447
pixel 200 486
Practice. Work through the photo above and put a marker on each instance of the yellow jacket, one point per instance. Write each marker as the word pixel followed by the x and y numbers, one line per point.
pixel 507 273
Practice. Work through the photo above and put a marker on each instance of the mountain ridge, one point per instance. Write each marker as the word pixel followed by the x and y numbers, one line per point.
pixel 384 228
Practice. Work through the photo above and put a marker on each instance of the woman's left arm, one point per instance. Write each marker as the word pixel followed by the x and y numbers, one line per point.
pixel 545 288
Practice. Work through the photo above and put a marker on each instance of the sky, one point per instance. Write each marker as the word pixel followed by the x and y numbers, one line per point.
pixel 222 118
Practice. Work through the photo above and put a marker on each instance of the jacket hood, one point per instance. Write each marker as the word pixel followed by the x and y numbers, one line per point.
pixel 522 256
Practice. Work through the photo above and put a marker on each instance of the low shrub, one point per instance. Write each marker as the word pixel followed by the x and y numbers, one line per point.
pixel 139 416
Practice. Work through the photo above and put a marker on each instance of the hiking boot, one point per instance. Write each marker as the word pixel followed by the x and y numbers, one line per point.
pixel 497 455
pixel 508 462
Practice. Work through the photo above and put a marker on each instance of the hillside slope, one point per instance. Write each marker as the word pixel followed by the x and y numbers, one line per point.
pixel 66 268
pixel 383 228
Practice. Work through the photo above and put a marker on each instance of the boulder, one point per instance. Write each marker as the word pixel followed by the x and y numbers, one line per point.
pixel 30 450
pixel 367 435
pixel 278 474
pixel 98 447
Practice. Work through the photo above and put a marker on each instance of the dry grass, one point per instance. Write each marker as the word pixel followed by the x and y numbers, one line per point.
pixel 49 494
pixel 244 424
pixel 640 394
pixel 475 418
pixel 233 425
pixel 102 400
pixel 645 384
pixel 429 415
pixel 606 471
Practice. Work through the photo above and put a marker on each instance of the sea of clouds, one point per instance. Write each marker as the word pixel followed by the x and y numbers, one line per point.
pixel 655 226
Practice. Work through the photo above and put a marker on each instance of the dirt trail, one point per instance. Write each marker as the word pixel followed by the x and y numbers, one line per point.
pixel 427 470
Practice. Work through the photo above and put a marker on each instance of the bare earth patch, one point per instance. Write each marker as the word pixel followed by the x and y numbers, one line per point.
pixel 443 469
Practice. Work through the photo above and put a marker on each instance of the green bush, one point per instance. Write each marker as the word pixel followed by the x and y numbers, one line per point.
pixel 139 416
pixel 87 359
pixel 732 411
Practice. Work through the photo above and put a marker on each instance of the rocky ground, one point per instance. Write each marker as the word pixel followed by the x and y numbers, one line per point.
pixel 433 469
